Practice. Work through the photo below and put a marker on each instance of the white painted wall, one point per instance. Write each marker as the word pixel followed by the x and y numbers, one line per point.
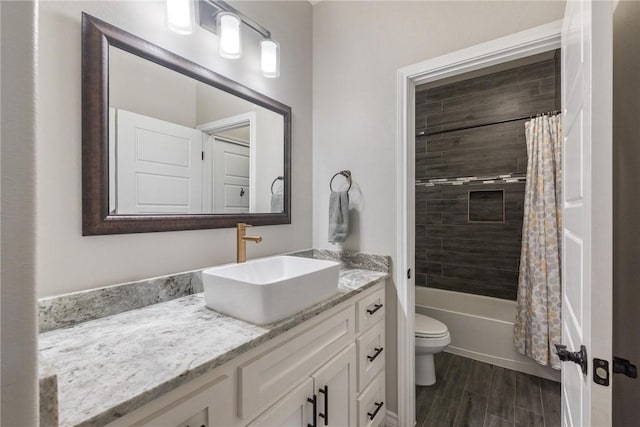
pixel 144 87
pixel 0 204
pixel 18 295
pixel 67 261
pixel 357 48
pixel 270 157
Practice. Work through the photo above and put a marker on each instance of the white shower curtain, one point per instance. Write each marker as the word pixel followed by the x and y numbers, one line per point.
pixel 538 327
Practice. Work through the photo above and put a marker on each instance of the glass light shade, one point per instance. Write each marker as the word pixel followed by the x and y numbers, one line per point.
pixel 230 38
pixel 270 58
pixel 180 16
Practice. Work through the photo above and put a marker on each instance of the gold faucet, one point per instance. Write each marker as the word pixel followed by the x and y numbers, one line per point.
pixel 241 253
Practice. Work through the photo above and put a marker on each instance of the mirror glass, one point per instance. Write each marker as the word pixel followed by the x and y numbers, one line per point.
pixel 179 146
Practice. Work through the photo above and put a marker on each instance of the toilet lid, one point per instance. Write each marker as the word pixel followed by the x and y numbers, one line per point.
pixel 428 327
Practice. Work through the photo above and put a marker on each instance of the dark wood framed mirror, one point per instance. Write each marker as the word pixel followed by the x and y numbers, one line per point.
pixel 155 160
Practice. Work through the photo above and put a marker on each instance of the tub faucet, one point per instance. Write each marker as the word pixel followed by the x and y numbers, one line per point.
pixel 241 244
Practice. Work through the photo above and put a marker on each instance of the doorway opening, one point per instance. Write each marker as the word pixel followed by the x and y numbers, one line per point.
pixel 473 62
pixel 472 168
pixel 229 156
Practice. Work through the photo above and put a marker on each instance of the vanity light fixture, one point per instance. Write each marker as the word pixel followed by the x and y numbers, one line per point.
pixel 180 16
pixel 224 20
pixel 270 58
pixel 230 41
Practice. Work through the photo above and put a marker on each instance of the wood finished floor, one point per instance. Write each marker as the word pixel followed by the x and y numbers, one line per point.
pixel 476 394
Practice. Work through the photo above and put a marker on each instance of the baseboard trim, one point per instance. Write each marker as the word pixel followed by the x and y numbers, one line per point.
pixel 527 368
pixel 392 419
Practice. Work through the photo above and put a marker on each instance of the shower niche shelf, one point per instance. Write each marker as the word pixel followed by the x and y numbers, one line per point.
pixel 486 206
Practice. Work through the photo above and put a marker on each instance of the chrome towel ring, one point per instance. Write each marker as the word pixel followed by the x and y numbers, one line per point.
pixel 347 176
pixel 278 178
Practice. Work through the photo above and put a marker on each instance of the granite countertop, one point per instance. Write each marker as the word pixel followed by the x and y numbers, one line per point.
pixel 110 366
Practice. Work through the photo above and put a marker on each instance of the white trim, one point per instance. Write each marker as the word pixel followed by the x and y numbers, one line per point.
pixel 237 141
pixel 233 122
pixel 391 420
pixel 113 195
pixel 405 288
pixel 526 43
pixel 515 46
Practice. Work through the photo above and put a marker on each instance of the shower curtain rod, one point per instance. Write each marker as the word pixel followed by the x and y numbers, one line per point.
pixel 515 119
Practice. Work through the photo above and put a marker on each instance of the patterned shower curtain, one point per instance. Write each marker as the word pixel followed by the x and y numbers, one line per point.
pixel 537 327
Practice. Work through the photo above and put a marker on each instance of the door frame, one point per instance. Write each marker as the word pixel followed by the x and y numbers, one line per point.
pixel 233 122
pixel 515 46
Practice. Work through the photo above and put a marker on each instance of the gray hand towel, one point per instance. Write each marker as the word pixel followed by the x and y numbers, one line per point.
pixel 277 203
pixel 338 216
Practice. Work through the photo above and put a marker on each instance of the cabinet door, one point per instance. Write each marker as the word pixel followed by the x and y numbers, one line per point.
pixel 293 410
pixel 265 378
pixel 210 406
pixel 335 386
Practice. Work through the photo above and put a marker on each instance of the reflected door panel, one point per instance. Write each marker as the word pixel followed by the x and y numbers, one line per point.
pixel 231 171
pixel 159 167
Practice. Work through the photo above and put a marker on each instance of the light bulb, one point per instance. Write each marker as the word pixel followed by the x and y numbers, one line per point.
pixel 270 58
pixel 180 16
pixel 230 42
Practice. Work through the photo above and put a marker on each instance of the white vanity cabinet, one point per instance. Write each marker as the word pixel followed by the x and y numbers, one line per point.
pixel 327 371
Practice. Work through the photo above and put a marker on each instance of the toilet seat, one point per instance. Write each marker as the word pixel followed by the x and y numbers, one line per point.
pixel 428 327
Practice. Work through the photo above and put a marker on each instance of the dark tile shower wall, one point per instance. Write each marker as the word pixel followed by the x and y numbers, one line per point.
pixel 452 252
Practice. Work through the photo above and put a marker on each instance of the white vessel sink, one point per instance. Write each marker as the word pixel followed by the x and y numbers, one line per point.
pixel 268 290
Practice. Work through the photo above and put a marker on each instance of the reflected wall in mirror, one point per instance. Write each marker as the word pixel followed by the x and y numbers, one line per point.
pixel 170 145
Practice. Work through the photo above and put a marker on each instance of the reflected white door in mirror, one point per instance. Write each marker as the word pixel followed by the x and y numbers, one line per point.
pixel 229 168
pixel 157 166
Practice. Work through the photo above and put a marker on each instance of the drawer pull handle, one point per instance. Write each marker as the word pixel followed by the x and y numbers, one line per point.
pixel 373 414
pixel 325 390
pixel 376 354
pixel 375 308
pixel 314 401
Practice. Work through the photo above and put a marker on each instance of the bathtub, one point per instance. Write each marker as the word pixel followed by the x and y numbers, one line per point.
pixel 481 328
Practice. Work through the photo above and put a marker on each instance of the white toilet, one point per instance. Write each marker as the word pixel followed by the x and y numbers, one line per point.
pixel 432 336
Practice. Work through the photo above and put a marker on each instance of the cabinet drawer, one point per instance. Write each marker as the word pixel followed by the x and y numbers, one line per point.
pixel 371 405
pixel 370 309
pixel 371 354
pixel 268 376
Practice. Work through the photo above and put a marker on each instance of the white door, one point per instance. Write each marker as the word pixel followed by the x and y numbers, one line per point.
pixel 231 180
pixel 587 207
pixel 335 385
pixel 293 410
pixel 159 166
